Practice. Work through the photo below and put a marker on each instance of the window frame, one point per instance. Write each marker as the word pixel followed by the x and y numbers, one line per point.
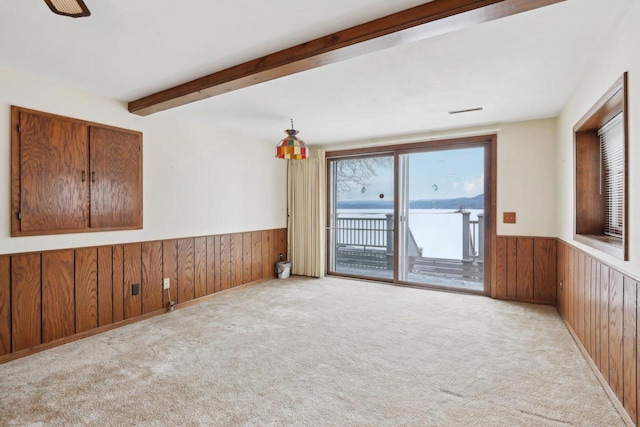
pixel 589 192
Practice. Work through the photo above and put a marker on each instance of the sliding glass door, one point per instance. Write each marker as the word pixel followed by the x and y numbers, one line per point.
pixel 361 217
pixel 418 216
pixel 442 218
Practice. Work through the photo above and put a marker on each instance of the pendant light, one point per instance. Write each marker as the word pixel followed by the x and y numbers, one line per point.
pixel 292 147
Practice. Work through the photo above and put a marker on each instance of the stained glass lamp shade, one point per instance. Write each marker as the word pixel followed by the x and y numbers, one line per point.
pixel 291 148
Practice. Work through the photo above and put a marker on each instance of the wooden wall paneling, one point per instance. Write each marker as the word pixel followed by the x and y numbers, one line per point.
pixel 118 283
pixel 105 285
pixel 275 250
pixel 275 254
pixel 524 266
pixel 616 313
pixel 151 277
pixel 170 270
pixel 186 291
pixel 587 306
pixel 5 305
pixel 267 266
pixel 575 293
pixel 501 267
pixel 256 256
pixel 544 270
pixel 200 266
pixel 629 337
pixel 210 265
pixel 561 265
pixel 593 307
pixel 570 254
pixel 512 267
pixel 278 246
pixel 282 243
pixel 132 275
pixel 53 295
pixel 597 297
pixel 604 321
pixel 580 296
pixel 568 285
pixel 86 289
pixel 247 254
pixel 26 300
pixel 236 259
pixel 559 277
pixel 225 262
pixel 58 295
pixel 217 264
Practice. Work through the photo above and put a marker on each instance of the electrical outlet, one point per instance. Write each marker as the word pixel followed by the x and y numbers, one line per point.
pixel 135 289
pixel 561 285
pixel 166 283
pixel 509 217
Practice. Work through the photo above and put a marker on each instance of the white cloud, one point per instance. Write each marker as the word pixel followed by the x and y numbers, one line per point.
pixel 474 186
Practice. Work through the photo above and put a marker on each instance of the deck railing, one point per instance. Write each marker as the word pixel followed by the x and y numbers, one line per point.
pixel 374 237
pixel 472 237
pixel 365 232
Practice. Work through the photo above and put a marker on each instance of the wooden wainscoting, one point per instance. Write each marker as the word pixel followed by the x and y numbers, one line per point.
pixel 525 269
pixel 49 298
pixel 600 307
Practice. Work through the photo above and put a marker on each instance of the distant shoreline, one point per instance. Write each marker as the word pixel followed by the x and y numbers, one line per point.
pixel 476 202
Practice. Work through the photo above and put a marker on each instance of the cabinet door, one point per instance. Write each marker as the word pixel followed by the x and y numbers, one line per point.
pixel 54 193
pixel 116 178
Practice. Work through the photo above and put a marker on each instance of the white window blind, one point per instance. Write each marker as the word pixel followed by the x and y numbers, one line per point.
pixel 612 148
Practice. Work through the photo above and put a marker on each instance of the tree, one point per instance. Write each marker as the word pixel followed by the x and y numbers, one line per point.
pixel 356 173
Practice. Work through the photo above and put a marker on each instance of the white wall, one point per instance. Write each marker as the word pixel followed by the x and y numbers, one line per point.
pixel 197 180
pixel 527 177
pixel 619 54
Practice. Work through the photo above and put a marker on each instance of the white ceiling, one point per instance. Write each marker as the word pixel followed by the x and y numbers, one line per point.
pixel 517 68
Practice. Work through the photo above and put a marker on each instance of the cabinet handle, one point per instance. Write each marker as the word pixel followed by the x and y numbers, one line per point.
pixel 84 176
pixel 93 177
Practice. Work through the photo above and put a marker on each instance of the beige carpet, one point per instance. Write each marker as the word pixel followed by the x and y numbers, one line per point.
pixel 313 352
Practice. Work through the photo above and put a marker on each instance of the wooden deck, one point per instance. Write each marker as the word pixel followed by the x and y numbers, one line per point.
pixel 472 270
pixel 377 261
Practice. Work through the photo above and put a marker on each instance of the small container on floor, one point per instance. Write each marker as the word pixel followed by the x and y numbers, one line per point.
pixel 283 269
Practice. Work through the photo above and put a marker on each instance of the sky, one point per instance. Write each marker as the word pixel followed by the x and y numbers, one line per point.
pixel 442 174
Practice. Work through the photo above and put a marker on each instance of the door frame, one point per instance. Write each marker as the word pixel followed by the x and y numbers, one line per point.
pixel 489 142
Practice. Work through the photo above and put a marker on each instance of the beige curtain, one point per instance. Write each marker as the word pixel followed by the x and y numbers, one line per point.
pixel 306 184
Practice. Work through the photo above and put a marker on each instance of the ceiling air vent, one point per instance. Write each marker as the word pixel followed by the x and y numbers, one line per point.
pixel 468 110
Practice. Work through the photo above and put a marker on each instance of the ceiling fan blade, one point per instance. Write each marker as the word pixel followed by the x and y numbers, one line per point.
pixel 72 8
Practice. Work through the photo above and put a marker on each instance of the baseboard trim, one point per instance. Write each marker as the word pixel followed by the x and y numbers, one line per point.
pixel 528 301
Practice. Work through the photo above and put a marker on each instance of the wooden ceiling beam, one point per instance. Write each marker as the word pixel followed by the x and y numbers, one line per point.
pixel 420 22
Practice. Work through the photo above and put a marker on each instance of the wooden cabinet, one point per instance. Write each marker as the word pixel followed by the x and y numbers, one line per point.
pixel 116 177
pixel 70 176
